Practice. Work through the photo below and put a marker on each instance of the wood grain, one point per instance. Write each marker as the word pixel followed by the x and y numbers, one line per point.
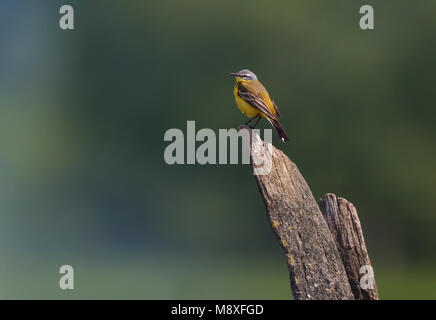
pixel 344 224
pixel 314 263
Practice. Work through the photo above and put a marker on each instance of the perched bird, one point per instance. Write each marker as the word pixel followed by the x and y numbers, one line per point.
pixel 254 101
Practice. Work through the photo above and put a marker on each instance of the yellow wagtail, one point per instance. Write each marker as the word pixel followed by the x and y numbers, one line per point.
pixel 254 101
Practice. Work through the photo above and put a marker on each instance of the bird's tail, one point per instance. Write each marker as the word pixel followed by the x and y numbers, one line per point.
pixel 279 129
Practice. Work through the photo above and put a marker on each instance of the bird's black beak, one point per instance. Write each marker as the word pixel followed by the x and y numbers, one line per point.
pixel 234 74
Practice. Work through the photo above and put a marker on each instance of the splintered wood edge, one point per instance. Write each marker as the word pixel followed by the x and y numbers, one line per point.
pixel 344 224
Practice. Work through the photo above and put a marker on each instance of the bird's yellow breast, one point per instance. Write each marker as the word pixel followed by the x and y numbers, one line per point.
pixel 244 106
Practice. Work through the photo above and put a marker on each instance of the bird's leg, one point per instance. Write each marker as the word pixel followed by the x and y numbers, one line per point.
pixel 258 119
pixel 249 120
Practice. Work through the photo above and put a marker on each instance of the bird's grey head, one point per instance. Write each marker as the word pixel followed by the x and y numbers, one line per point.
pixel 245 74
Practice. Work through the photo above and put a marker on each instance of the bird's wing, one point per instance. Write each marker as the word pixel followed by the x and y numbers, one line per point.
pixel 277 108
pixel 255 100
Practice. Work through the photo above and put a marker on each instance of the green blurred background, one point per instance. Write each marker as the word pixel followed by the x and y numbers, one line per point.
pixel 82 119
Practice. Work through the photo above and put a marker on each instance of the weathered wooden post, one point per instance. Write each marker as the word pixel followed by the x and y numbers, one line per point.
pixel 314 255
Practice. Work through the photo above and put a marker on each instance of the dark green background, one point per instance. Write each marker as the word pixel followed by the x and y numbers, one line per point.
pixel 82 119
